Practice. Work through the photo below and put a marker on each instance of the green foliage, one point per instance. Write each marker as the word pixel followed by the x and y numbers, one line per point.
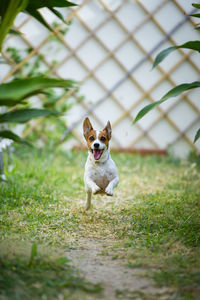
pixel 172 93
pixel 10 9
pixel 16 91
pixel 197 136
pixel 7 134
pixel 24 115
pixel 195 15
pixel 196 5
pixel 194 45
pixel 14 53
pixel 49 99
pixel 33 6
pixel 13 31
pixel 8 12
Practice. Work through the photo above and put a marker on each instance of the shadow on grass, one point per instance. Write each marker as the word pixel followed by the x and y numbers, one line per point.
pixel 41 277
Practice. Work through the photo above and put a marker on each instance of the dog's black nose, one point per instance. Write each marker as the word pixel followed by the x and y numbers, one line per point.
pixel 96 145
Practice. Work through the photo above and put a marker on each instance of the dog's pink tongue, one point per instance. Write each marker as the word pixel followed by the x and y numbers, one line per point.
pixel 97 154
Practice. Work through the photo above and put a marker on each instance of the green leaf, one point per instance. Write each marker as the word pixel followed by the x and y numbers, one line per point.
pixel 6 134
pixel 3 7
pixel 19 89
pixel 197 136
pixel 194 45
pixel 196 5
pixel 35 14
pixel 162 55
pixel 11 102
pixel 24 115
pixel 9 12
pixel 13 31
pixel 172 93
pixel 58 14
pixel 10 9
pixel 33 253
pixel 195 15
pixel 36 4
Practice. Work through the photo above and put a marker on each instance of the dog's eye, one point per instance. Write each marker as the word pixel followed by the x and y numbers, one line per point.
pixel 91 138
pixel 103 139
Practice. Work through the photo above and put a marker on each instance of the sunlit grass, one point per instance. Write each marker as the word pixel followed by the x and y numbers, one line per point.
pixel 152 220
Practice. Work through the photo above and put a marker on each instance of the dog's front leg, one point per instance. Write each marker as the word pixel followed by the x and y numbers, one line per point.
pixel 91 188
pixel 89 196
pixel 91 185
pixel 112 184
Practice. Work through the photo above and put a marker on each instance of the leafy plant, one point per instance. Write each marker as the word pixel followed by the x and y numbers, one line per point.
pixel 34 5
pixel 17 91
pixel 8 13
pixel 195 45
pixel 51 128
pixel 10 8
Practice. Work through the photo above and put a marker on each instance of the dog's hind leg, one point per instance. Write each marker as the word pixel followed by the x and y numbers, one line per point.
pixel 89 196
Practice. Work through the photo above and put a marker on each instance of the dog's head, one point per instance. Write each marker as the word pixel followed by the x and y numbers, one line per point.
pixel 97 141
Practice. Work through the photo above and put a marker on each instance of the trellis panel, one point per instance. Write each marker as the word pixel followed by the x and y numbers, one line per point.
pixel 109 47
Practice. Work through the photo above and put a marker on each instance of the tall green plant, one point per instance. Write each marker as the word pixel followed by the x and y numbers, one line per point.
pixel 194 45
pixel 9 9
pixel 17 91
pixel 51 128
pixel 8 12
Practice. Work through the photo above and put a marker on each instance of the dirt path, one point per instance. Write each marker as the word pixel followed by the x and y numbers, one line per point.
pixel 111 273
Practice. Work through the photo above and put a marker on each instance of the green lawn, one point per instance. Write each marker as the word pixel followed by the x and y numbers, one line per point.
pixel 153 221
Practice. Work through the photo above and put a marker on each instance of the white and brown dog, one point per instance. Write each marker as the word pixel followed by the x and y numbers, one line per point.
pixel 100 170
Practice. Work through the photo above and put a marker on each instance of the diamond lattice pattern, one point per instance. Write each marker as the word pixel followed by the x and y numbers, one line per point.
pixel 109 47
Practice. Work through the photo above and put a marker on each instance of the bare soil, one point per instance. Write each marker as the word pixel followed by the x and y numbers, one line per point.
pixel 118 281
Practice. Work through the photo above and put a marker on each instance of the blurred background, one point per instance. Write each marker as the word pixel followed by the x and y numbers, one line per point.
pixel 108 47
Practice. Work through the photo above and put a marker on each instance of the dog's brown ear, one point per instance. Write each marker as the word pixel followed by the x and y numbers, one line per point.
pixel 87 127
pixel 108 130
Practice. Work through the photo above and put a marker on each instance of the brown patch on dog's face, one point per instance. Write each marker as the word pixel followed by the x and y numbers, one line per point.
pixel 91 138
pixel 103 137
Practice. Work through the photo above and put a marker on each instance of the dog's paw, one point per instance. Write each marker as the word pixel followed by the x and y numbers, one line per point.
pixel 96 189
pixel 109 191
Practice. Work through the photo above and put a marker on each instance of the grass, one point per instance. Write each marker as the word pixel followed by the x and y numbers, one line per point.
pixel 42 277
pixel 153 221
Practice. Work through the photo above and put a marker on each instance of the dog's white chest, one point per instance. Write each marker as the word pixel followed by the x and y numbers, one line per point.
pixel 100 173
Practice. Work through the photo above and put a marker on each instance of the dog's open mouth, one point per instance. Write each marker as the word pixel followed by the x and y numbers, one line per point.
pixel 97 153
